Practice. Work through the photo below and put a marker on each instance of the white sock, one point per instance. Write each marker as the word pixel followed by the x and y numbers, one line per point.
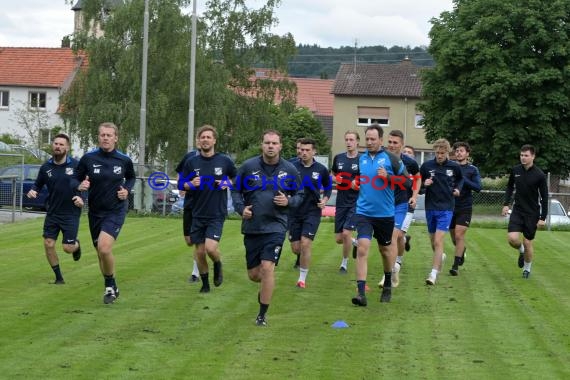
pixel 303 274
pixel 400 259
pixel 344 263
pixel 434 272
pixel 527 266
pixel 195 271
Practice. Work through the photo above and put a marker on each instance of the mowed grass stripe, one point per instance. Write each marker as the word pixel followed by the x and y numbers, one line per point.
pixel 487 322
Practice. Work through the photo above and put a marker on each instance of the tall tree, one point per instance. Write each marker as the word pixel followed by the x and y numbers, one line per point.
pixel 501 80
pixel 231 39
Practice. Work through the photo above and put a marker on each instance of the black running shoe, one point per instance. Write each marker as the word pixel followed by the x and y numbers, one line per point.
pixel 59 282
pixel 526 274
pixel 261 321
pixel 520 261
pixel 205 289
pixel 110 295
pixel 407 244
pixel 359 300
pixel 454 271
pixel 218 273
pixel 386 295
pixel 77 253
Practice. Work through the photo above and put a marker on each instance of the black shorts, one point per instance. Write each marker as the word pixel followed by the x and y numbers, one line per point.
pixel 526 224
pixel 204 228
pixel 306 226
pixel 461 218
pixel 186 221
pixel 110 223
pixel 67 224
pixel 380 228
pixel 260 247
pixel 343 219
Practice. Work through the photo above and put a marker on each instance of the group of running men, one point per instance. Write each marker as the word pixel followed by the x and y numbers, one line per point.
pixel 275 196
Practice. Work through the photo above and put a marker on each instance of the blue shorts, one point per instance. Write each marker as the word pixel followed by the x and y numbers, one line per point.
pixel 342 219
pixel 438 220
pixel 306 226
pixel 204 228
pixel 67 224
pixel 260 247
pixel 110 223
pixel 400 215
pixel 380 228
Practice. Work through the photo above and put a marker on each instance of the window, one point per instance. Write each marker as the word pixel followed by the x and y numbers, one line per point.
pixel 373 115
pixel 38 100
pixel 419 118
pixel 45 136
pixel 4 99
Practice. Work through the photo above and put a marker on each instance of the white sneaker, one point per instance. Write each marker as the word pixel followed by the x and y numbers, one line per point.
pixel 396 275
pixel 431 279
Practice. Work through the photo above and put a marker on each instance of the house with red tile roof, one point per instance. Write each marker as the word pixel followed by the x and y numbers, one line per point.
pixel 312 93
pixel 387 94
pixel 31 83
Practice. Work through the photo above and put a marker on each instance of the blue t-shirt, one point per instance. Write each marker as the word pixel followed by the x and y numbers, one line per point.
pixel 209 200
pixel 376 197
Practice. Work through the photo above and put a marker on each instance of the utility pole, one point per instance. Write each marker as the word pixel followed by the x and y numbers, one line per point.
pixel 192 80
pixel 142 129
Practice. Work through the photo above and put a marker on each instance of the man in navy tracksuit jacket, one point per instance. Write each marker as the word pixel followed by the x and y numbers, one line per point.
pixel 63 205
pixel 443 181
pixel 265 190
pixel 109 176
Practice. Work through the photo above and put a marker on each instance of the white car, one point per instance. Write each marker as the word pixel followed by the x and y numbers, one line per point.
pixel 557 215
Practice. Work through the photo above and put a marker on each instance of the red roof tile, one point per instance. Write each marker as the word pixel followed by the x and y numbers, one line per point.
pixel 38 67
pixel 315 94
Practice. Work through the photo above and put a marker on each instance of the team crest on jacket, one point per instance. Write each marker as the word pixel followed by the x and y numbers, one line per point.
pixel 117 169
pixel 69 171
pixel 449 172
pixel 315 175
pixel 354 167
pixel 218 171
pixel 281 174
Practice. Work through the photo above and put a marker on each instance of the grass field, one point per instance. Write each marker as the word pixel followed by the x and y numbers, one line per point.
pixel 487 323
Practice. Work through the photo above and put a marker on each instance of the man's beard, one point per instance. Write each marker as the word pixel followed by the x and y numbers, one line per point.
pixel 58 156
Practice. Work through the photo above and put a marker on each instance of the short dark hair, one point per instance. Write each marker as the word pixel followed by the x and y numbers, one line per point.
pixel 463 144
pixel 528 148
pixel 270 132
pixel 397 133
pixel 307 141
pixel 61 136
pixel 410 147
pixel 375 127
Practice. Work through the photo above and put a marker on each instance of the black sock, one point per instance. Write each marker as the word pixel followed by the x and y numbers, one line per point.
pixel 387 279
pixel 110 281
pixel 263 309
pixel 361 285
pixel 456 261
pixel 57 271
pixel 298 261
pixel 205 281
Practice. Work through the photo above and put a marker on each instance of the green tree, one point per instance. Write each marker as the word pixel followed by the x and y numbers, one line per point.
pixel 302 123
pixel 501 80
pixel 231 39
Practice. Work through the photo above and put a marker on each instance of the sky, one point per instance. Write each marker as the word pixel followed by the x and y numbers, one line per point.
pixel 334 23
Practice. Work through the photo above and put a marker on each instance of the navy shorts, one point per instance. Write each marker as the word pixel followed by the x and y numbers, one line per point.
pixel 67 224
pixel 380 228
pixel 187 221
pixel 306 226
pixel 204 228
pixel 260 247
pixel 110 223
pixel 526 224
pixel 461 218
pixel 343 219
